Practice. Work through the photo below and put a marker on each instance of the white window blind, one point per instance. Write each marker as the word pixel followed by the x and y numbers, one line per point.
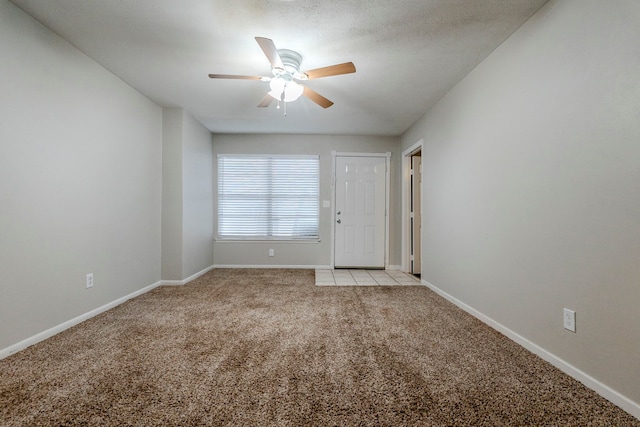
pixel 268 197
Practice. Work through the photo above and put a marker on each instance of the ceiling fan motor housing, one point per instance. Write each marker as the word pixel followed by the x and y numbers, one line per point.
pixel 291 61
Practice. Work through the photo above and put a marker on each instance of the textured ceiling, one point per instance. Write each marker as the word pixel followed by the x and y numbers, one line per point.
pixel 408 54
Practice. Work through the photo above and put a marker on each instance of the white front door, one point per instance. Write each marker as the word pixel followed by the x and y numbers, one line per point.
pixel 360 212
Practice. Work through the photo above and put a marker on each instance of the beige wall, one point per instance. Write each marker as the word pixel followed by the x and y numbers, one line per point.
pixel 306 254
pixel 532 187
pixel 80 182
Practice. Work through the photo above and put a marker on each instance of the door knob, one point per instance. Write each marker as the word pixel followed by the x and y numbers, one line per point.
pixel 339 221
pixel 338 213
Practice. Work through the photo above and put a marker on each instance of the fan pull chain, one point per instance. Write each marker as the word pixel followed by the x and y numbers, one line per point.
pixel 283 102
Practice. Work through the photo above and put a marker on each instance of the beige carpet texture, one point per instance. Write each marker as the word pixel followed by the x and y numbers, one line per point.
pixel 265 347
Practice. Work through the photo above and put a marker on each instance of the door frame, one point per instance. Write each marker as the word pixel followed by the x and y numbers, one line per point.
pixel 406 204
pixel 334 156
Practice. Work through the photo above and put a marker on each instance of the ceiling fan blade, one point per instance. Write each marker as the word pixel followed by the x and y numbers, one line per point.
pixel 266 101
pixel 317 98
pixel 269 49
pixel 332 70
pixel 234 76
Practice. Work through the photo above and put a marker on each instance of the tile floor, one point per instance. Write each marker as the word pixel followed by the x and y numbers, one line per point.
pixel 344 277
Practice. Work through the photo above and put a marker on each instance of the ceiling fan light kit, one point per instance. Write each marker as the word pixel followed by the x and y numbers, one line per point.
pixel 285 90
pixel 285 67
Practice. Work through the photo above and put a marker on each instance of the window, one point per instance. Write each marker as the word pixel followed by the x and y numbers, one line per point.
pixel 268 197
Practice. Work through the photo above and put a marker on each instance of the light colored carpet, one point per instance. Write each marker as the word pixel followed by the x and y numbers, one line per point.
pixel 267 347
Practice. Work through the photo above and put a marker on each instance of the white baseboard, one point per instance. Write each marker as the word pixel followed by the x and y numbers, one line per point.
pixel 72 322
pixel 188 279
pixel 602 389
pixel 307 267
pixel 313 267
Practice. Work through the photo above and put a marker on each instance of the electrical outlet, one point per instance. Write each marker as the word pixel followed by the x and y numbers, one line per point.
pixel 271 252
pixel 569 320
pixel 89 282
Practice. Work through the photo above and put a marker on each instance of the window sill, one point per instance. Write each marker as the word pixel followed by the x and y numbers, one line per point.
pixel 269 241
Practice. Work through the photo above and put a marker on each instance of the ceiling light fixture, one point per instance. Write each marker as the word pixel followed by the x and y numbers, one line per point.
pixel 283 87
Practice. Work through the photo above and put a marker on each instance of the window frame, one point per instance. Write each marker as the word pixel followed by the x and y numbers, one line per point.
pixel 269 234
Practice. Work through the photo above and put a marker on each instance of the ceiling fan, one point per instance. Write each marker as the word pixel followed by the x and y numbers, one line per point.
pixel 285 67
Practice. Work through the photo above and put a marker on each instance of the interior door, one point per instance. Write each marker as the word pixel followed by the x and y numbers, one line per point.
pixel 360 212
pixel 416 222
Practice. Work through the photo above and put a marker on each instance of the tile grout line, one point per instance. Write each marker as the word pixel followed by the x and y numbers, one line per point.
pixel 363 278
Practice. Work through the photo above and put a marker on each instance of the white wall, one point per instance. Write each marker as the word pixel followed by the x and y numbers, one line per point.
pixel 297 253
pixel 80 182
pixel 532 187
pixel 172 129
pixel 197 187
pixel 187 196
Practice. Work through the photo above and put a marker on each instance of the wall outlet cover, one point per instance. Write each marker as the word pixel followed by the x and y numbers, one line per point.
pixel 569 320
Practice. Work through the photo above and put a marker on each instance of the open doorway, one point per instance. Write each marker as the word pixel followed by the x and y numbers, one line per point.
pixel 412 210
